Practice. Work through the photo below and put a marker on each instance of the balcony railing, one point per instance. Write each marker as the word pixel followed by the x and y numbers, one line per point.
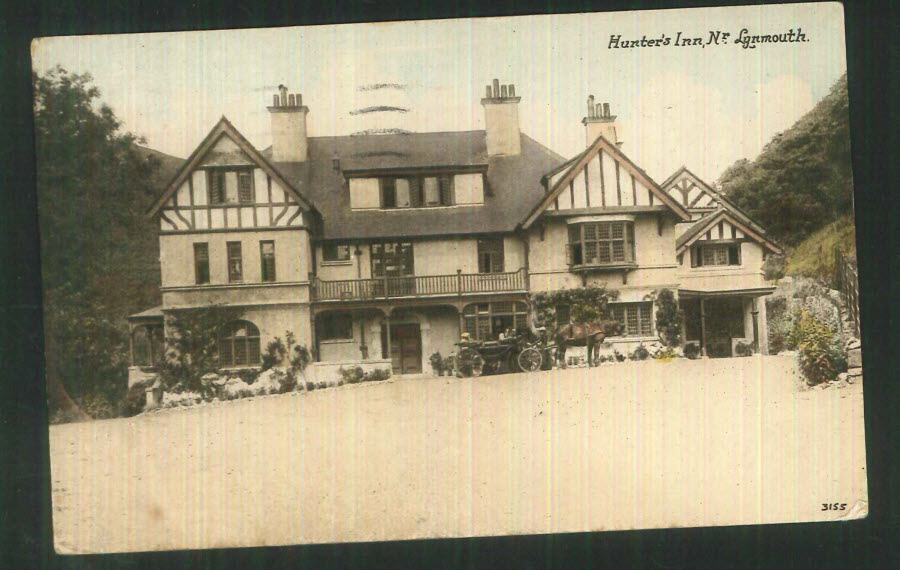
pixel 426 286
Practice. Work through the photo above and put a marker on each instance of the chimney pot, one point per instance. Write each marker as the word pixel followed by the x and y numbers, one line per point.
pixel 598 110
pixel 503 91
pixel 512 90
pixel 488 93
pixel 275 101
pixel 291 100
pixel 606 109
pixel 299 100
pixel 496 88
pixel 590 104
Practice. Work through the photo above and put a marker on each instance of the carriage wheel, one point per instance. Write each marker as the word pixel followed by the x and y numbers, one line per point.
pixel 530 360
pixel 468 363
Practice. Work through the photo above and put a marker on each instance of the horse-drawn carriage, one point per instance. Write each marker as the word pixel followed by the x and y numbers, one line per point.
pixel 529 352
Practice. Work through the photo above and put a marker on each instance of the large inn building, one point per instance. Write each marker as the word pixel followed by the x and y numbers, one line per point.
pixel 383 248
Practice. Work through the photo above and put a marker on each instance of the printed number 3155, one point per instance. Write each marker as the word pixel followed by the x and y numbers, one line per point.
pixel 834 506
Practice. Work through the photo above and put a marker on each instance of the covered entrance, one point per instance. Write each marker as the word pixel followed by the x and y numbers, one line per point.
pixel 406 349
pixel 719 320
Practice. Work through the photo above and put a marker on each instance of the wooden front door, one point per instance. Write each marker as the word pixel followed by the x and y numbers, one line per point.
pixel 406 349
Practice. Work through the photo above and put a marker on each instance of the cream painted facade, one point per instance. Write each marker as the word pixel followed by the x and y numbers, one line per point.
pixel 430 257
pixel 365 192
pixel 229 193
pixel 654 255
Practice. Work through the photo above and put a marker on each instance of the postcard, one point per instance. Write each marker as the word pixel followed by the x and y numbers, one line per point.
pixel 450 278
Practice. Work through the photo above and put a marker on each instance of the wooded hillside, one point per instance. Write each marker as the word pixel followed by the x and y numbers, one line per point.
pixel 802 180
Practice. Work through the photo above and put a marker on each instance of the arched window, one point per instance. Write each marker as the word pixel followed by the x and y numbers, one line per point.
pixel 485 321
pixel 239 344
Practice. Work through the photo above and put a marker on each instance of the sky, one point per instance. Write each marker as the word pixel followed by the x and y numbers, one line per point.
pixel 701 107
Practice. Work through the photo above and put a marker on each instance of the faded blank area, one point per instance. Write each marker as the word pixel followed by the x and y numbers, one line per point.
pixel 634 445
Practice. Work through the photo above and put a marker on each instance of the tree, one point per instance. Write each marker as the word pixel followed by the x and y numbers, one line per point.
pixel 93 184
pixel 802 180
pixel 669 317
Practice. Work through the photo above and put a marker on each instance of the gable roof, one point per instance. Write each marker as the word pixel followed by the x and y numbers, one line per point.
pixel 225 128
pixel 513 183
pixel 577 163
pixel 705 224
pixel 683 173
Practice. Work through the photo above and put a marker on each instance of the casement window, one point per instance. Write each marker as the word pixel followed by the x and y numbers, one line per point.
pixel 235 262
pixel 563 315
pixel 416 191
pixel 490 255
pixel 267 258
pixel 717 254
pixel 201 263
pixel 335 326
pixel 245 186
pixel 392 259
pixel 239 344
pixel 601 243
pixel 636 317
pixel 335 252
pixel 485 321
pixel 216 186
pixel 230 186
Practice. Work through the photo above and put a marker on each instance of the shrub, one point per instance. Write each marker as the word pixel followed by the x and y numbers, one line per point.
pixel 669 317
pixel 378 374
pixel 586 304
pixel 192 347
pixel 692 350
pixel 310 386
pixel 437 363
pixel 743 349
pixel 667 354
pixel 820 354
pixel 274 355
pixel 619 356
pixel 640 353
pixel 351 375
pixel 135 398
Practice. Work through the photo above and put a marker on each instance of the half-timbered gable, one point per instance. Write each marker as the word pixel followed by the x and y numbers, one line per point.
pixel 722 227
pixel 227 185
pixel 602 179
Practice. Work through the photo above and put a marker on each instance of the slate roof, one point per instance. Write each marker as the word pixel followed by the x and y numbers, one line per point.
pixel 513 182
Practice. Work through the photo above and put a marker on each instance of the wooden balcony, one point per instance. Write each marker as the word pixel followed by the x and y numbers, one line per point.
pixel 416 287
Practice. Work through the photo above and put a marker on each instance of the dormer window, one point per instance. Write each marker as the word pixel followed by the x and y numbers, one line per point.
pixel 416 191
pixel 230 186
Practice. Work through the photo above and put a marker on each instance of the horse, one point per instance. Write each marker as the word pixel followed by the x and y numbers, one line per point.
pixel 590 335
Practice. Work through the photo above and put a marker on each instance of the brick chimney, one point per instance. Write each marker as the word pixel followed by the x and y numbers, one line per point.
pixel 501 119
pixel 599 122
pixel 288 127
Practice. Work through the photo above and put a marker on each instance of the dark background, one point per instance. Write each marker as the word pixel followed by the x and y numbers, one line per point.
pixel 25 523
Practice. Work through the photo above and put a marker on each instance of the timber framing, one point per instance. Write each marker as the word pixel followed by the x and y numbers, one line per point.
pixel 225 128
pixel 707 223
pixel 684 173
pixel 577 165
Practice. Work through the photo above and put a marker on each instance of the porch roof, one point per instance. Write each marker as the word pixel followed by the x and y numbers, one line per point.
pixel 154 314
pixel 748 292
